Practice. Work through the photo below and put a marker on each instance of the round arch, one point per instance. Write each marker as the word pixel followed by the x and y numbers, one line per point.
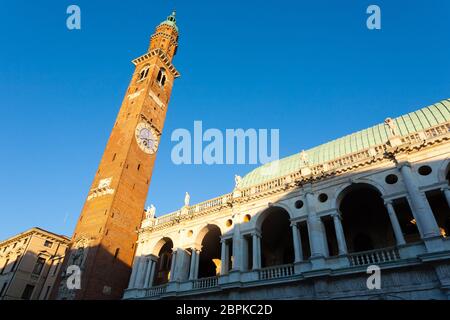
pixel 444 171
pixel 262 215
pixel 158 246
pixel 204 231
pixel 210 255
pixel 344 189
pixel 276 236
pixel 365 218
pixel 164 251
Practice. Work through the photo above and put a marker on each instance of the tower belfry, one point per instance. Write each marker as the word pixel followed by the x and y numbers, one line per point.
pixel 103 243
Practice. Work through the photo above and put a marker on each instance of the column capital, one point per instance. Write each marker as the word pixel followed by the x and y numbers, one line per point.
pixel 223 240
pixel 152 257
pixel 294 224
pixel 388 202
pixel 336 214
pixel 445 188
pixel 402 164
pixel 256 234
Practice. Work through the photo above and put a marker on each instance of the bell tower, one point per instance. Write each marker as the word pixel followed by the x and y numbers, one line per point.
pixel 103 244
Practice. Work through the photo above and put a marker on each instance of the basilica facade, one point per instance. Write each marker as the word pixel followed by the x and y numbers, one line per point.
pixel 308 226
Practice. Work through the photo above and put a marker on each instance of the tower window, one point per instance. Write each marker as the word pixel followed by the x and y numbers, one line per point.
pixel 161 78
pixel 144 73
pixel 114 157
pixel 139 167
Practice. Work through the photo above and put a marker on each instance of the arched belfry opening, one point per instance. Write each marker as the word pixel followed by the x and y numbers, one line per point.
pixel 365 219
pixel 276 238
pixel 162 271
pixel 209 265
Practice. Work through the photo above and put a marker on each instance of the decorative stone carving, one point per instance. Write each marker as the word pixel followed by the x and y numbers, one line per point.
pixel 102 189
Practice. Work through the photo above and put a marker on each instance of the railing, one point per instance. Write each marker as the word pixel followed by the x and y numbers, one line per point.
pixel 206 283
pixel 167 217
pixel 276 272
pixel 438 130
pixel 216 202
pixel 374 257
pixel 156 291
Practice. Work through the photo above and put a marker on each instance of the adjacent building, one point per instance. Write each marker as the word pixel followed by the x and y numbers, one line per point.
pixel 310 225
pixel 29 264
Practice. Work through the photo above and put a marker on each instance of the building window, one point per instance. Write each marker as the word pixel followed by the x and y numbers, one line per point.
pixel 4 266
pixel 27 292
pixel 39 266
pixel 161 78
pixel 2 292
pixel 15 263
pixel 48 244
pixel 143 74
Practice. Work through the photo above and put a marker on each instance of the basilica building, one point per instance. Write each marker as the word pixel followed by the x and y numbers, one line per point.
pixel 308 226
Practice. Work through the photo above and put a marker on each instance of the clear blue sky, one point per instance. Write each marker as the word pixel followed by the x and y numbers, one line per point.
pixel 310 68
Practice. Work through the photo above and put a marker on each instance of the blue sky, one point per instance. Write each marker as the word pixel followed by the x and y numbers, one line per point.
pixel 310 68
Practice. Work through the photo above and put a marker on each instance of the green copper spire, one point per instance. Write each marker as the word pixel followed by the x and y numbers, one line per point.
pixel 171 21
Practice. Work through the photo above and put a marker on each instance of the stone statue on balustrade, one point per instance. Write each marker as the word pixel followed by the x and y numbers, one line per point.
pixel 150 213
pixel 187 199
pixel 237 181
pixel 392 127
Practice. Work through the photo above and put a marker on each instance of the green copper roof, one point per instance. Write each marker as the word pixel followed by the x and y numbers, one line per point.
pixel 170 21
pixel 407 124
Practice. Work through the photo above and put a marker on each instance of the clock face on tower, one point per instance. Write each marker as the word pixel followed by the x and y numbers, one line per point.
pixel 146 138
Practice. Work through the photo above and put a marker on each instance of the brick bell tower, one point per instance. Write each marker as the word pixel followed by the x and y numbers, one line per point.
pixel 103 244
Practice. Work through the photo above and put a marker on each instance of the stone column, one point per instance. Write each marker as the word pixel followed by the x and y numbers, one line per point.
pixel 256 251
pixel 298 253
pixel 420 206
pixel 148 270
pixel 244 249
pixel 237 249
pixel 140 273
pixel 132 282
pixel 315 230
pixel 395 224
pixel 192 274
pixel 197 263
pixel 446 191
pixel 172 266
pixel 340 236
pixel 152 273
pixel 224 257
